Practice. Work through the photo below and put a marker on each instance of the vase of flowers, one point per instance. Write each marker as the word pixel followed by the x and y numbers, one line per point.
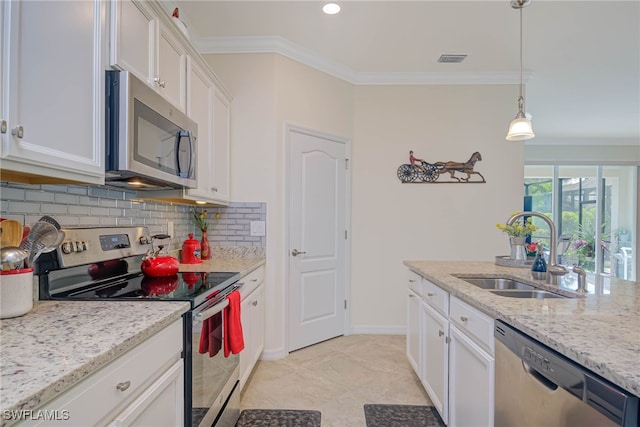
pixel 518 232
pixel 200 220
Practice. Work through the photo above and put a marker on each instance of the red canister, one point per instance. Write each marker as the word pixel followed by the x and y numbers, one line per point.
pixel 190 249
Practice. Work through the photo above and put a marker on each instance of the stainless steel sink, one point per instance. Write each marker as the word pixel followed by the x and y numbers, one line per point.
pixel 497 283
pixel 526 294
pixel 509 287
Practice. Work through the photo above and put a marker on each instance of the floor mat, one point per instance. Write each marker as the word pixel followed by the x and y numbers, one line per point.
pixel 278 418
pixel 402 416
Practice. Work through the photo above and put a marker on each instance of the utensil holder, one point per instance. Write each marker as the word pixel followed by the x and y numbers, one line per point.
pixel 16 292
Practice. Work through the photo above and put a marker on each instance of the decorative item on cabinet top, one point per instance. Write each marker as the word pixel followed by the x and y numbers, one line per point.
pixel 421 171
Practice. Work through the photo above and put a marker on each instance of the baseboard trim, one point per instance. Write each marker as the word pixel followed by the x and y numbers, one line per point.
pixel 377 330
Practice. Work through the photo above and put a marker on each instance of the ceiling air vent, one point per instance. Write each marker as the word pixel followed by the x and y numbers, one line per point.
pixel 451 59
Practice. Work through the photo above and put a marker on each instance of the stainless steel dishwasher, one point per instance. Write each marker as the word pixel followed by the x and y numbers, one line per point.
pixel 537 386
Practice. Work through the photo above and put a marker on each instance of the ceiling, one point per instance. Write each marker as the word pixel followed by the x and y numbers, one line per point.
pixel 581 58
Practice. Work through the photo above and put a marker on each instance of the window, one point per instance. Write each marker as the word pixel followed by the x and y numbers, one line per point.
pixel 593 208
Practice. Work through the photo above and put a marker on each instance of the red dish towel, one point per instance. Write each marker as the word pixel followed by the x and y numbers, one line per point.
pixel 211 335
pixel 233 339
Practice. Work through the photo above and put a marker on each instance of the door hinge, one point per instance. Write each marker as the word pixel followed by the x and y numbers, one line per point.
pixel 345 304
pixel 346 164
pixel 345 234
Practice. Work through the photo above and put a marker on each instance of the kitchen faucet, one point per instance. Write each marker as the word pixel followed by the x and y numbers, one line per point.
pixel 554 270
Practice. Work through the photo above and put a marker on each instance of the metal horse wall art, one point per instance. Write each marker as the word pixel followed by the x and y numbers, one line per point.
pixel 420 171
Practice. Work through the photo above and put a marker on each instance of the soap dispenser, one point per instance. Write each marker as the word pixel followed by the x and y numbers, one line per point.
pixel 539 266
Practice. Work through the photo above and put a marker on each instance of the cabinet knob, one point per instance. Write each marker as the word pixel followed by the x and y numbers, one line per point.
pixel 18 131
pixel 214 189
pixel 440 333
pixel 255 303
pixel 123 385
pixel 3 126
pixel 464 319
pixel 429 294
pixel 159 82
pixel 296 252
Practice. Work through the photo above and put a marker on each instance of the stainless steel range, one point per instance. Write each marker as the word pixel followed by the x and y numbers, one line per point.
pixel 104 264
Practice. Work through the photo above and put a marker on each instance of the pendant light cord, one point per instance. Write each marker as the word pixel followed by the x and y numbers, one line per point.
pixel 521 83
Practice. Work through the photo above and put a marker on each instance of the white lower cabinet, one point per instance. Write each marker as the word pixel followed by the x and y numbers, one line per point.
pixel 455 361
pixel 252 317
pixel 414 312
pixel 435 336
pixel 143 387
pixel 470 382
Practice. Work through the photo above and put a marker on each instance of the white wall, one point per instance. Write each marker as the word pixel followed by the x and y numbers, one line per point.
pixel 270 91
pixel 393 222
pixel 390 221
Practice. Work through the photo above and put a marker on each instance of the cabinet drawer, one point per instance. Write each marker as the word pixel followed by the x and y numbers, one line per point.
pixel 117 383
pixel 436 297
pixel 414 281
pixel 251 281
pixel 474 323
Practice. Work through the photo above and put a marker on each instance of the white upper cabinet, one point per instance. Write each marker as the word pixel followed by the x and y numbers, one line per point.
pixel 221 147
pixel 53 90
pixel 171 76
pixel 200 109
pixel 143 45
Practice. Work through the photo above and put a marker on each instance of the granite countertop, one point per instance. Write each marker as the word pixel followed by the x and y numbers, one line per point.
pixel 600 331
pixel 59 343
pixel 243 266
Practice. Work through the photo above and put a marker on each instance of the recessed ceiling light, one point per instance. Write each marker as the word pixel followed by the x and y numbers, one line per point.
pixel 331 8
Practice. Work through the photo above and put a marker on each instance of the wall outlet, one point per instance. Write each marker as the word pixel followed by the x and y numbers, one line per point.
pixel 257 228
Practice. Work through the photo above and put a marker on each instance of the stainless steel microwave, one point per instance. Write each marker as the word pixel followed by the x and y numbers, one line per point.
pixel 150 144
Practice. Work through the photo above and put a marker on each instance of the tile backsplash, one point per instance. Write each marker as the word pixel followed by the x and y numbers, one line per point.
pixel 89 206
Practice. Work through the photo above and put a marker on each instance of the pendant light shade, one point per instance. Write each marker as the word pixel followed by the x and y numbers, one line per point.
pixel 520 128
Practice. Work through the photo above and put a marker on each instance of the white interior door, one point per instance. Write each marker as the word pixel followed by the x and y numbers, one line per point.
pixel 317 238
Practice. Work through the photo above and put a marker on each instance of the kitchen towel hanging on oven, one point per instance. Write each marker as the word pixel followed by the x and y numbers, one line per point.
pixel 233 338
pixel 211 335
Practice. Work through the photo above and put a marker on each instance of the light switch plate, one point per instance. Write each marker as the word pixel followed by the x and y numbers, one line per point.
pixel 257 228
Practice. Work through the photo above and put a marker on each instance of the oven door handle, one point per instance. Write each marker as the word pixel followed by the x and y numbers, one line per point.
pixel 215 306
pixel 211 311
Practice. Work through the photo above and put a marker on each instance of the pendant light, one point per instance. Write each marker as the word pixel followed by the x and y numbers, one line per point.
pixel 520 128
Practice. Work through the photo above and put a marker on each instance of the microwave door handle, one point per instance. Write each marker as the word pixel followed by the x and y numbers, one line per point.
pixel 181 134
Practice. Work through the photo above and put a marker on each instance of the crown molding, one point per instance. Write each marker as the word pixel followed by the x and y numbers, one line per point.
pixel 284 47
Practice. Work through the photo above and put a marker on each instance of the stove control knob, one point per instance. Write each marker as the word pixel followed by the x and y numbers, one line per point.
pixel 144 240
pixel 81 246
pixel 67 248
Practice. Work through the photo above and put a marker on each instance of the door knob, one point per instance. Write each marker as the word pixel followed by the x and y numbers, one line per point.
pixel 296 252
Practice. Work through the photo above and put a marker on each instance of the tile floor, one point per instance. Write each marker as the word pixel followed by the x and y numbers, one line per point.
pixel 337 377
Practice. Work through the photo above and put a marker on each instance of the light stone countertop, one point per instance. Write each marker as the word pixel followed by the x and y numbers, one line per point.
pixel 59 343
pixel 600 331
pixel 243 266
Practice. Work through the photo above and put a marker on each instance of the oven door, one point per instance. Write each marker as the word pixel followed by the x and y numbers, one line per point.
pixel 215 399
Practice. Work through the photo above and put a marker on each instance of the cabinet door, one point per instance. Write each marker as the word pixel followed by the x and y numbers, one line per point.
pixel 257 323
pixel 200 90
pixel 413 332
pixel 471 382
pixel 252 312
pixel 53 85
pixel 247 330
pixel 133 39
pixel 435 351
pixel 171 74
pixel 162 404
pixel 221 147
